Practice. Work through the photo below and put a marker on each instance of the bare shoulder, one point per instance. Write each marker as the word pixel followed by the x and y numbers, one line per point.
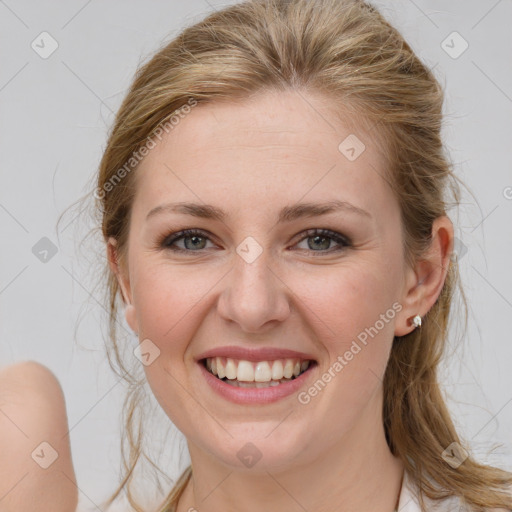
pixel 36 472
pixel 20 377
pixel 32 394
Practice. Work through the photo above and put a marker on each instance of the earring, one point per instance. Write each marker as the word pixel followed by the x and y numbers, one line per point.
pixel 417 321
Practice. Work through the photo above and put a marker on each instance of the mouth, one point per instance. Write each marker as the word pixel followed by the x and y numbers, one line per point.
pixel 262 374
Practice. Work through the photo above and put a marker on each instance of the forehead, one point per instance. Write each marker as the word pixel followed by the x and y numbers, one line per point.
pixel 274 148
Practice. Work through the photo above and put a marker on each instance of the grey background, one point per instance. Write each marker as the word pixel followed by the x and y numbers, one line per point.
pixel 54 116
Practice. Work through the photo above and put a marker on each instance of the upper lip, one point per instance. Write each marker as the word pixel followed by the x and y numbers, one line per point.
pixel 255 354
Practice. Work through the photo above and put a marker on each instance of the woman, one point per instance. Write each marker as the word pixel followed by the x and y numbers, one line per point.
pixel 273 203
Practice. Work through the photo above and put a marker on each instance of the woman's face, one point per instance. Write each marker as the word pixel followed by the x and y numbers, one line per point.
pixel 257 284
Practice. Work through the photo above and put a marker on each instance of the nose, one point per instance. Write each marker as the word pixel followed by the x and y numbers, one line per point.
pixel 254 296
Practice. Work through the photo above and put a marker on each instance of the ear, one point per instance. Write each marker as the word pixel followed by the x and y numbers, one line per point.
pixel 424 282
pixel 124 283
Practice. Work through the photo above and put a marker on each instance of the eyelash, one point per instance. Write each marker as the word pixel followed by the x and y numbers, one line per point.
pixel 326 233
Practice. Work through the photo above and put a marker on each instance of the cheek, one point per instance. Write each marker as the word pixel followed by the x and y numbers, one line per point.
pixel 349 314
pixel 344 301
pixel 352 313
pixel 168 301
pixel 166 298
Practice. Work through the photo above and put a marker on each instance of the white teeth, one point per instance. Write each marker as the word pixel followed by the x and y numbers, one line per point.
pixel 288 369
pixel 221 372
pixel 245 371
pixel 231 369
pixel 277 370
pixel 239 384
pixel 264 372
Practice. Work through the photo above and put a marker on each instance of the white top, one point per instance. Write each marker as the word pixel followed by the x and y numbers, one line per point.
pixel 408 501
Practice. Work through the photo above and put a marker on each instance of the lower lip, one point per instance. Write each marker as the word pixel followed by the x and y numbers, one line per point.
pixel 255 395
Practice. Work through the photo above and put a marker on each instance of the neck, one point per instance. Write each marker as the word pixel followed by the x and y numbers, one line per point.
pixel 358 472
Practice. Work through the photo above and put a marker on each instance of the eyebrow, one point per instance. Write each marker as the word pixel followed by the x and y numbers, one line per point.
pixel 287 214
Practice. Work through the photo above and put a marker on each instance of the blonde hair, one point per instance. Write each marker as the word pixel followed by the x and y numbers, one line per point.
pixel 346 51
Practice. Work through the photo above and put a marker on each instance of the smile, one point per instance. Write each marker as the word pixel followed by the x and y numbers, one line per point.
pixel 261 374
